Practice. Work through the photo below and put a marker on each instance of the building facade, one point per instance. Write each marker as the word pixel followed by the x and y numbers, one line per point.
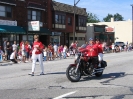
pixel 110 32
pixel 56 21
pixel 63 23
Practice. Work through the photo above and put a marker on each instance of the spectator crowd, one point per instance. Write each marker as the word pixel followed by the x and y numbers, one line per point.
pixel 22 52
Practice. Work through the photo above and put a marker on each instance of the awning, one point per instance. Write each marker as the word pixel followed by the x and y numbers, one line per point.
pixel 12 29
pixel 9 2
pixel 43 31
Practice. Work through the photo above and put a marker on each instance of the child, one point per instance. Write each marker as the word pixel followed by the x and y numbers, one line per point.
pixel 49 54
pixel 45 54
pixel 13 57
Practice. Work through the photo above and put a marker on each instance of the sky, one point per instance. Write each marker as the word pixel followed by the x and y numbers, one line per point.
pixel 101 8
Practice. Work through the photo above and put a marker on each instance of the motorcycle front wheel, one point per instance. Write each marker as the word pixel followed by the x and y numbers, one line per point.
pixel 72 75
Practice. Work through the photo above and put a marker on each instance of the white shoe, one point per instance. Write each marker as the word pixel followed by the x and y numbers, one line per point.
pixel 10 62
pixel 99 65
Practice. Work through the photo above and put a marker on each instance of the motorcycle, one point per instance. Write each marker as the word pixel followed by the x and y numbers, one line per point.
pixel 83 67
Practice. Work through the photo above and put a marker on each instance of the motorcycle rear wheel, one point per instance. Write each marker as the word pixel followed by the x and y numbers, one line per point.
pixel 71 75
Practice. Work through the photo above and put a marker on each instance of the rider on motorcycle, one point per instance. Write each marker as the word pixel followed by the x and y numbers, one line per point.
pixel 100 54
pixel 91 51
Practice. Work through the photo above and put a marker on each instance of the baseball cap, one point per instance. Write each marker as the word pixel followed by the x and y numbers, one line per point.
pixel 91 39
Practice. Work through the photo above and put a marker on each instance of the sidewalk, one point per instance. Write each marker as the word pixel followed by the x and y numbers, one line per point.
pixel 4 63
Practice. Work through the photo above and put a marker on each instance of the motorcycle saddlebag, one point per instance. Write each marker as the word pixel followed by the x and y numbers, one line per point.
pixel 104 63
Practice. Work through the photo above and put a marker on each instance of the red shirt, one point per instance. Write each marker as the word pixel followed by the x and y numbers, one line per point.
pixel 21 45
pixel 92 50
pixel 27 48
pixel 74 45
pixel 100 48
pixel 40 45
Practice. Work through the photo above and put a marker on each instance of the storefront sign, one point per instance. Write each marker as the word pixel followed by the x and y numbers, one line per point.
pixel 56 33
pixel 109 29
pixel 34 26
pixel 7 22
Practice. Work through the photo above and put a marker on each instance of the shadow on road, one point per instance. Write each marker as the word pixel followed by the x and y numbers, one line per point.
pixel 56 73
pixel 105 76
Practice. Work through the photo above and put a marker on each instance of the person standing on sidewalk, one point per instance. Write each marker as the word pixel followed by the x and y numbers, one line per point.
pixel 14 46
pixel 1 55
pixel 37 54
pixel 9 50
pixel 4 47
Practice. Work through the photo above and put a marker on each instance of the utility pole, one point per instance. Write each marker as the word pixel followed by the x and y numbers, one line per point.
pixel 75 3
pixel 132 23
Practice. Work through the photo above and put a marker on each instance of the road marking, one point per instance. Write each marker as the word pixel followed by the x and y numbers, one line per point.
pixel 67 94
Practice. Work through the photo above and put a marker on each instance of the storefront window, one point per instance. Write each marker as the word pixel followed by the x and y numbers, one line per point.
pixel 11 37
pixel 30 39
pixel 55 39
pixel 5 11
pixel 24 37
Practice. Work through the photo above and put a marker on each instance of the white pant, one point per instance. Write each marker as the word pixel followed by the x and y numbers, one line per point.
pixel 40 59
pixel 100 56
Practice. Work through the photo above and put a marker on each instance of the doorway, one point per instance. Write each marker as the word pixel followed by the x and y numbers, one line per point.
pixel 43 39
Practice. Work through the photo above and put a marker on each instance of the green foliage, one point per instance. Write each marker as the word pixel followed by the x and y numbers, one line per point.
pixel 117 17
pixel 92 18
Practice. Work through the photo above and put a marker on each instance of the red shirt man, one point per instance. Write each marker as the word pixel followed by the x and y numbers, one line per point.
pixel 91 49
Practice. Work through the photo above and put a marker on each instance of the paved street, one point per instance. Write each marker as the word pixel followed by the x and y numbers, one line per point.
pixel 116 82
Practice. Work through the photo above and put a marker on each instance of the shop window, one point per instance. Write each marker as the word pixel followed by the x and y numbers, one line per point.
pixel 82 22
pixel 79 38
pixel 34 15
pixel 5 11
pixel 71 38
pixel 83 38
pixel 24 37
pixel 56 18
pixel 70 21
pixel 59 19
pixel 11 37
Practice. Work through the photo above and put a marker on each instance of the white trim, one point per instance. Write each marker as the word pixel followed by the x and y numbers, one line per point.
pixel 36 8
pixel 8 3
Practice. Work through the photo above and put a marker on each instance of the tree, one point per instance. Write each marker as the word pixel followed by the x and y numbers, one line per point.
pixel 108 18
pixel 117 17
pixel 92 18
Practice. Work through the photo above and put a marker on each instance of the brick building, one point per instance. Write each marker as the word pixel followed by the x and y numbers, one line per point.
pixel 56 21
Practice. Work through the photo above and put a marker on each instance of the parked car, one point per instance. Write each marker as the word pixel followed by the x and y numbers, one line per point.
pixel 122 44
